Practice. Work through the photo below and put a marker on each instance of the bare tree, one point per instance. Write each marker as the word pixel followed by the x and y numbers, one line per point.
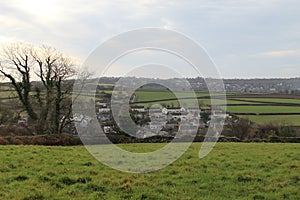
pixel 55 71
pixel 51 107
pixel 45 59
pixel 16 65
pixel 63 71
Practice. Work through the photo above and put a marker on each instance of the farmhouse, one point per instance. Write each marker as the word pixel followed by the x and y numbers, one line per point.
pixel 173 110
pixel 101 104
pixel 104 110
pixel 81 120
pixel 107 129
pixel 138 109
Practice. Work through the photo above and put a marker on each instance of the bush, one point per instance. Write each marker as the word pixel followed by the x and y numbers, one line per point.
pixel 3 141
pixel 11 130
pixel 51 140
pixel 241 128
pixel 273 129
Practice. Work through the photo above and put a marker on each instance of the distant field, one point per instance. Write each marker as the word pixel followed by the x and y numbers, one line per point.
pixel 4 94
pixel 237 103
pixel 156 95
pixel 230 171
pixel 263 109
pixel 159 95
pixel 275 100
pixel 287 119
pixel 190 103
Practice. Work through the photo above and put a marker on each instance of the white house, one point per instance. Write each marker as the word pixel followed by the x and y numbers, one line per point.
pixel 173 110
pixel 104 110
pixel 98 103
pixel 138 108
pixel 81 120
pixel 107 129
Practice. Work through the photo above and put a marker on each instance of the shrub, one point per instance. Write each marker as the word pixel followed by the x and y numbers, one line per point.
pixel 3 141
pixel 51 140
pixel 10 130
pixel 276 129
pixel 241 128
pixel 14 140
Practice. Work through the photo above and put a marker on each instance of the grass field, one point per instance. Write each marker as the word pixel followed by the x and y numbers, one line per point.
pixel 230 171
pixel 236 106
pixel 204 103
pixel 263 109
pixel 156 95
pixel 275 100
pixel 276 119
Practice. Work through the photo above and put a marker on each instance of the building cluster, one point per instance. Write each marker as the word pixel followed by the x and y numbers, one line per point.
pixel 151 121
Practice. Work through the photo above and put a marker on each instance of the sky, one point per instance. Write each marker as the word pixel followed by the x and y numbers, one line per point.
pixel 244 38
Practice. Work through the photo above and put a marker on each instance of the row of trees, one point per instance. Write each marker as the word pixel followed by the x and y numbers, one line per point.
pixel 244 129
pixel 41 78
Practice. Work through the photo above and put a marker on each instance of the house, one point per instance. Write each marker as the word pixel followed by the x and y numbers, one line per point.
pixel 82 120
pixel 173 110
pixel 104 110
pixel 171 125
pixel 138 108
pixel 156 125
pixel 104 117
pixel 163 133
pixel 107 129
pixel 157 115
pixel 219 114
pixel 101 104
pixel 188 128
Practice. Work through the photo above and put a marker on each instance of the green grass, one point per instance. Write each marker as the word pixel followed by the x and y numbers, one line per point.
pixel 157 95
pixel 175 103
pixel 263 109
pixel 7 94
pixel 190 103
pixel 153 95
pixel 292 120
pixel 217 101
pixel 5 87
pixel 275 100
pixel 205 103
pixel 261 119
pixel 230 171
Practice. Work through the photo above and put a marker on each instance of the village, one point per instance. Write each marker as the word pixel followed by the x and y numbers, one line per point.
pixel 154 120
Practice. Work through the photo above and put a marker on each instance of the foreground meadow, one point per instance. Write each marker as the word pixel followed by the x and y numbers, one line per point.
pixel 230 171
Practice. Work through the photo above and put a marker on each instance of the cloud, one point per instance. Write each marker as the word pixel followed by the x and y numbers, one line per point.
pixel 281 53
pixel 168 24
pixel 254 31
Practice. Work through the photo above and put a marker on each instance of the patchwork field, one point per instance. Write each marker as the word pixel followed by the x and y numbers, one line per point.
pixel 263 109
pixel 277 119
pixel 275 100
pixel 230 171
pixel 256 107
pixel 260 107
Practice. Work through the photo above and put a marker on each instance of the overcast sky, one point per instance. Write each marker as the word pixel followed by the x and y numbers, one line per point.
pixel 245 38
